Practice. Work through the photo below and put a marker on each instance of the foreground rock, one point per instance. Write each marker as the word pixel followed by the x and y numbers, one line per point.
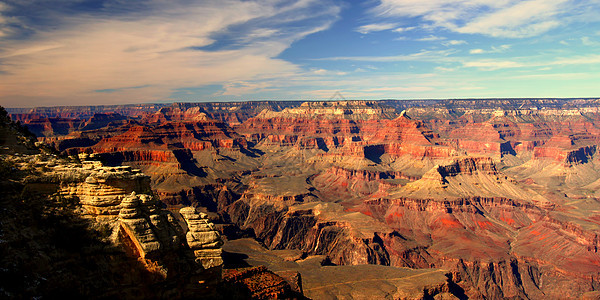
pixel 139 250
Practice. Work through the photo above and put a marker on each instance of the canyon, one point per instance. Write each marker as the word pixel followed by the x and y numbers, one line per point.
pixel 442 199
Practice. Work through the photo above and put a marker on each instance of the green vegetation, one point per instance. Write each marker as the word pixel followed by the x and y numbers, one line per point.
pixel 6 121
pixel 14 134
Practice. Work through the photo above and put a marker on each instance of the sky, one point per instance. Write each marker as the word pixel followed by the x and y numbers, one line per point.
pixel 91 52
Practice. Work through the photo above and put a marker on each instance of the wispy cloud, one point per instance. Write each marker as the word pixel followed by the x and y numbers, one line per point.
pixel 30 50
pixel 503 18
pixel 365 29
pixel 520 19
pixel 493 49
pixel 587 41
pixel 431 38
pixel 404 29
pixel 401 89
pixel 327 72
pixel 528 62
pixel 555 76
pixel 444 69
pixel 424 55
pixel 577 60
pixel 240 88
pixel 166 46
pixel 4 21
pixel 493 64
pixel 454 42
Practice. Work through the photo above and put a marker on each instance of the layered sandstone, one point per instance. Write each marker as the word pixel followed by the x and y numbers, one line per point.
pixel 120 202
pixel 202 238
pixel 568 149
pixel 360 128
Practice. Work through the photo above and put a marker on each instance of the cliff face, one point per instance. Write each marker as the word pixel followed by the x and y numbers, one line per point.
pixel 514 127
pixel 230 112
pixel 356 128
pixel 194 136
pixel 489 243
pixel 468 166
pixel 568 149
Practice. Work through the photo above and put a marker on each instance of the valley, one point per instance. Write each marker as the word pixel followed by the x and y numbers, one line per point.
pixel 479 199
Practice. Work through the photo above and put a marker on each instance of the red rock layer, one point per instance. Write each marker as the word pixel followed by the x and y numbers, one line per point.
pixel 568 149
pixel 396 137
pixel 158 143
pixel 256 283
pixel 52 126
pixel 468 235
pixel 510 132
pixel 468 165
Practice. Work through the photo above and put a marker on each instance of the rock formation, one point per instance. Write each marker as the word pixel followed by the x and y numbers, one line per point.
pixel 202 238
pixel 146 241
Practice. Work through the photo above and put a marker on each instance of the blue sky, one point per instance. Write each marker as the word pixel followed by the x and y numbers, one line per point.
pixel 80 52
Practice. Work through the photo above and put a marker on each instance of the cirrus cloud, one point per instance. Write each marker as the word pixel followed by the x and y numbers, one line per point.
pixel 498 18
pixel 365 29
pixel 143 56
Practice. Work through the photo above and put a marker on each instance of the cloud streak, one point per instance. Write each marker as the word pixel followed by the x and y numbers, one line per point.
pixel 490 65
pixel 494 49
pixel 158 50
pixel 365 29
pixel 424 55
pixel 498 18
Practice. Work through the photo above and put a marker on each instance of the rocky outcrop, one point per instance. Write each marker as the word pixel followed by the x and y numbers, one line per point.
pixel 566 156
pixel 498 261
pixel 55 126
pixel 338 182
pixel 142 228
pixel 257 283
pixel 118 201
pixel 511 129
pixel 304 230
pixel 467 166
pixel 203 238
pixel 84 112
pixel 175 153
pixel 195 136
pixel 568 150
pixel 100 189
pixel 235 113
pixel 100 120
